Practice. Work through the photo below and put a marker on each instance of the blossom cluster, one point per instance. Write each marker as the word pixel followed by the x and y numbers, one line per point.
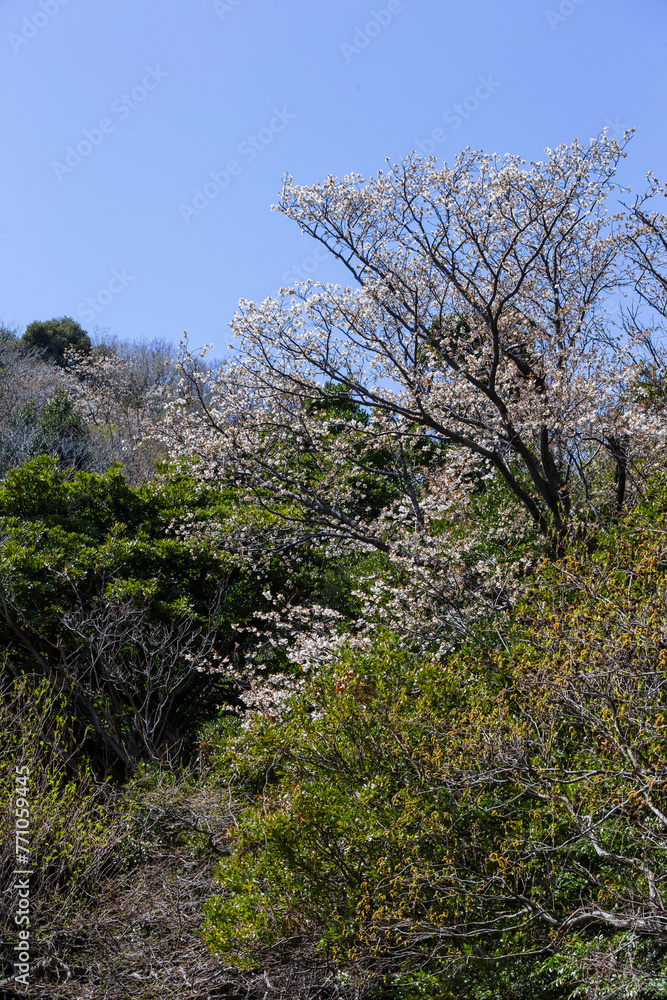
pixel 476 360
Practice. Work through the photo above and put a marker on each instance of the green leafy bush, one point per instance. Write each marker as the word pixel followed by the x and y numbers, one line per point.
pixel 54 336
pixel 104 598
pixel 490 827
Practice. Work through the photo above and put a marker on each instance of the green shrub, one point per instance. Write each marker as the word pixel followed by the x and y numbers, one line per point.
pixel 488 828
pixel 54 336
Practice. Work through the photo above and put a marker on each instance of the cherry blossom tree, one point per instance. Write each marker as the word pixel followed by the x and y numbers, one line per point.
pixel 479 331
pixel 119 390
pixel 647 247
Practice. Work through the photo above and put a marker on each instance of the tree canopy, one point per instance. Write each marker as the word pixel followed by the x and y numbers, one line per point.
pixel 53 337
pixel 479 319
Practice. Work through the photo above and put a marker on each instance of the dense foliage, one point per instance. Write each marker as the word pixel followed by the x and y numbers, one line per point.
pixel 340 667
pixel 55 336
pixel 108 591
pixel 494 823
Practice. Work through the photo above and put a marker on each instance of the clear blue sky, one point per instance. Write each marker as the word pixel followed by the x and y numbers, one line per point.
pixel 171 91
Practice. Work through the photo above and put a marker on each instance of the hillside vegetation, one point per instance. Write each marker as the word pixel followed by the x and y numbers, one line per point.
pixel 339 667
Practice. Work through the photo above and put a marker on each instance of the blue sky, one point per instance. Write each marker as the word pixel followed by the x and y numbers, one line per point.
pixel 117 112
